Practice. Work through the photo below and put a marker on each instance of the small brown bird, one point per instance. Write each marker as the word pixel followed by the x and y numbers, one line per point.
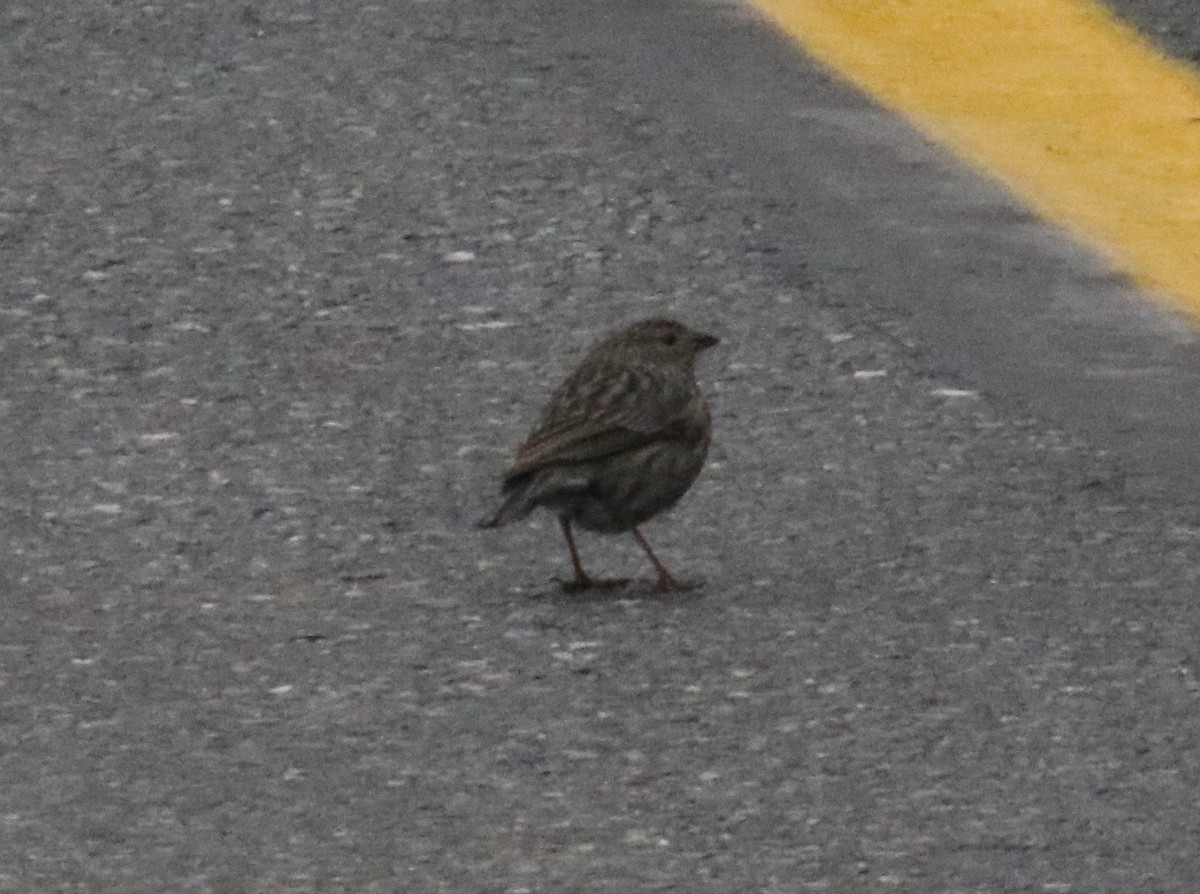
pixel 621 440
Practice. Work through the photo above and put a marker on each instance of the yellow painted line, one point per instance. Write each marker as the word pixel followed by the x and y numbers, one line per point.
pixel 1074 111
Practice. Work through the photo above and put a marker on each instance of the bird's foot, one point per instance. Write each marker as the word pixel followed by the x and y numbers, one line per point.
pixel 581 584
pixel 669 584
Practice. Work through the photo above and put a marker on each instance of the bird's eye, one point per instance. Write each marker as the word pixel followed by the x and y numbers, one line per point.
pixel 669 338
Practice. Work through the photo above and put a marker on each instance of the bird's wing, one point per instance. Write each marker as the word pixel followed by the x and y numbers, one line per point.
pixel 586 422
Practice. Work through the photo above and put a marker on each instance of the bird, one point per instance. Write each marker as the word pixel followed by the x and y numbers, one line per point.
pixel 620 441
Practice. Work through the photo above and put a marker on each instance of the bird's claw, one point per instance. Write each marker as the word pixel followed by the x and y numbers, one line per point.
pixel 579 585
pixel 671 585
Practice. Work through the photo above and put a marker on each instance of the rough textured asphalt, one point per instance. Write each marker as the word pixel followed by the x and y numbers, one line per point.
pixel 1173 25
pixel 284 284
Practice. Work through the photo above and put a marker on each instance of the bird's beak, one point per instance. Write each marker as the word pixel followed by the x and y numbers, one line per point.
pixel 704 340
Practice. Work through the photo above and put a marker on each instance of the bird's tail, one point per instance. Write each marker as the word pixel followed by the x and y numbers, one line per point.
pixel 516 506
pixel 545 487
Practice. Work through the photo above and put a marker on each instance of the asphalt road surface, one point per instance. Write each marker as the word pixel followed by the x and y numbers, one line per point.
pixel 284 284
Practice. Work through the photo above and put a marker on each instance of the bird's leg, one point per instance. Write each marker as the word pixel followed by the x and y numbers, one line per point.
pixel 582 581
pixel 665 580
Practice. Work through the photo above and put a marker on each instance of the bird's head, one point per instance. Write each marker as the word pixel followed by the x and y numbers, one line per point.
pixel 661 341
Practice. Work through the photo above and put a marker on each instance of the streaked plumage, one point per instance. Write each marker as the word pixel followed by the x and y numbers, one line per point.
pixel 621 440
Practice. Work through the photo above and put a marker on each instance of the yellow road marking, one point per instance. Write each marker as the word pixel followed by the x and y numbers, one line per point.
pixel 1072 110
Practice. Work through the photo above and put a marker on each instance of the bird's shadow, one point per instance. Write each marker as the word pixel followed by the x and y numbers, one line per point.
pixel 617 591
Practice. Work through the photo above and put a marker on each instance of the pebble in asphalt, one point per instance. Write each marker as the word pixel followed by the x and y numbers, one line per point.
pixel 278 277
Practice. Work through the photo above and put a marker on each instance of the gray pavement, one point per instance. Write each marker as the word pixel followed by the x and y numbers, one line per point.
pixel 285 282
pixel 1172 25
